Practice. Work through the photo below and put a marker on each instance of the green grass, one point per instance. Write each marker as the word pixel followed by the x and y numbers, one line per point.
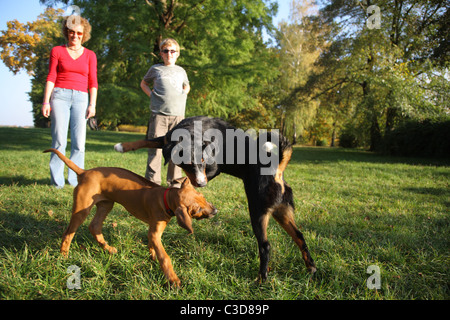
pixel 356 209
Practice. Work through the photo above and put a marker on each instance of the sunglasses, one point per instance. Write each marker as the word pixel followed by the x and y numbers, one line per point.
pixel 166 51
pixel 78 33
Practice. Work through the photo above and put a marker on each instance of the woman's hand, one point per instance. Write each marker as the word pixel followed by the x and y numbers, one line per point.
pixel 90 111
pixel 46 110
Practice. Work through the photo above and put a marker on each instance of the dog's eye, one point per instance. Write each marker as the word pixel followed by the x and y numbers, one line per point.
pixel 197 211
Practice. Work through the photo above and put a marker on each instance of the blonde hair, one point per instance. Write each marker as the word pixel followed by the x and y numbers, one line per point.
pixel 75 21
pixel 167 42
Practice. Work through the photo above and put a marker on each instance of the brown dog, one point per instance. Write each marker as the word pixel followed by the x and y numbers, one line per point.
pixel 145 200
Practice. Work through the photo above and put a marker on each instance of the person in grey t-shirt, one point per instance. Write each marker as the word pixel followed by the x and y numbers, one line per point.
pixel 167 104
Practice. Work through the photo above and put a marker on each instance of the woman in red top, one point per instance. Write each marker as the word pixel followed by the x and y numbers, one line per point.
pixel 70 96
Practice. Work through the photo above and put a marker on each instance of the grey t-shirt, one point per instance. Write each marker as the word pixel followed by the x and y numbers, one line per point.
pixel 168 96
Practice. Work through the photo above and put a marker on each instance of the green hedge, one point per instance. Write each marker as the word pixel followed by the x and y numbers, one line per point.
pixel 430 138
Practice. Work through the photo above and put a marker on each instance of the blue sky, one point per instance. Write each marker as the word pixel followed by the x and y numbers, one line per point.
pixel 15 109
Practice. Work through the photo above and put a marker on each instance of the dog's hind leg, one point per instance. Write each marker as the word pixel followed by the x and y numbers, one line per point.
pixel 131 146
pixel 284 215
pixel 80 211
pixel 103 208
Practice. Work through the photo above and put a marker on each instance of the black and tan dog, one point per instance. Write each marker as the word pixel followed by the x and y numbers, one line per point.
pixel 267 194
pixel 145 200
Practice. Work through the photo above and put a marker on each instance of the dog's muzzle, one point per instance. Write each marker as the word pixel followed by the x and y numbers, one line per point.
pixel 200 179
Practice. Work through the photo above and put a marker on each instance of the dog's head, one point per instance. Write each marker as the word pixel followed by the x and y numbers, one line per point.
pixel 189 155
pixel 196 173
pixel 192 204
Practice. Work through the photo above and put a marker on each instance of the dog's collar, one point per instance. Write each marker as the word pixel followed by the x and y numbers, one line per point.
pixel 166 205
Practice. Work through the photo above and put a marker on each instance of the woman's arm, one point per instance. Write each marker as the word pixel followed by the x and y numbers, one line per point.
pixel 92 103
pixel 49 86
pixel 93 86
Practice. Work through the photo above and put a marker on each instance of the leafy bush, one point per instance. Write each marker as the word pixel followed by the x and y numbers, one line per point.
pixel 321 143
pixel 419 138
pixel 348 140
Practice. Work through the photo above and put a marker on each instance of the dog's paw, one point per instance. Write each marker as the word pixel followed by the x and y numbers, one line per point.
pixel 110 249
pixel 312 270
pixel 152 254
pixel 119 148
pixel 175 283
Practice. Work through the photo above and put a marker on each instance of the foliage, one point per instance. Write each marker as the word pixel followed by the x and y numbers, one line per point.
pixel 328 74
pixel 347 139
pixel 18 43
pixel 428 137
pixel 379 76
pixel 301 40
pixel 27 46
pixel 222 52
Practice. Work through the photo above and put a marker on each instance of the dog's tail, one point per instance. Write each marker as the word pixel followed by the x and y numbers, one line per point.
pixel 67 161
pixel 280 145
pixel 155 143
pixel 285 153
pixel 284 158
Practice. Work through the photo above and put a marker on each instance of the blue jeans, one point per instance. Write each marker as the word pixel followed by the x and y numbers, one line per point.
pixel 68 108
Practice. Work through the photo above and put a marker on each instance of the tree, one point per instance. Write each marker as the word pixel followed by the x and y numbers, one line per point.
pixel 26 46
pixel 301 41
pixel 382 60
pixel 223 52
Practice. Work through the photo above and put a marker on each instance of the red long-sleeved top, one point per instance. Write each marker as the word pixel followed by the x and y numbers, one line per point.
pixel 79 74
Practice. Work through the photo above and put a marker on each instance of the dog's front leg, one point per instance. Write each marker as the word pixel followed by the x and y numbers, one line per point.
pixel 259 217
pixel 156 248
pixel 152 251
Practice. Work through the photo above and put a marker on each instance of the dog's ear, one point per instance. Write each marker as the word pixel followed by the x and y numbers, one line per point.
pixel 186 182
pixel 167 152
pixel 184 219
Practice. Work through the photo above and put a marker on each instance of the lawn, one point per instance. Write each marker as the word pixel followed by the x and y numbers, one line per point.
pixel 356 209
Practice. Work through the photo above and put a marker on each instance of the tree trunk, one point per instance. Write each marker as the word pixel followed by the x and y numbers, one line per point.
pixel 333 135
pixel 375 133
pixel 391 113
pixel 294 135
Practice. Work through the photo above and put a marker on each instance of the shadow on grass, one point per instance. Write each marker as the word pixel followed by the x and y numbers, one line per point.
pixel 429 191
pixel 437 192
pixel 38 139
pixel 19 229
pixel 321 155
pixel 22 139
pixel 10 181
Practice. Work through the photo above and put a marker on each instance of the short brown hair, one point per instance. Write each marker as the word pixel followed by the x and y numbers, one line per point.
pixel 76 20
pixel 167 42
